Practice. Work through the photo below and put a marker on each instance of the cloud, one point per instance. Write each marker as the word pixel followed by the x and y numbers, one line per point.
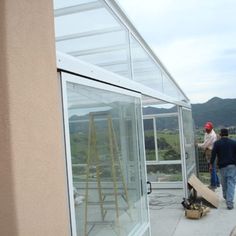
pixel 195 40
pixel 182 54
pixel 202 72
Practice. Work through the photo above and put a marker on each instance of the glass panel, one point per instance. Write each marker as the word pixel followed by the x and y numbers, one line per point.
pixel 189 142
pixel 168 138
pixel 114 61
pixel 164 173
pixel 104 40
pixel 145 70
pixel 106 158
pixel 170 88
pixel 150 145
pixel 98 37
pixel 86 21
pixel 161 127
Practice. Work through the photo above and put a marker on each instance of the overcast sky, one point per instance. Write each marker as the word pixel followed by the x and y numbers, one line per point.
pixel 194 39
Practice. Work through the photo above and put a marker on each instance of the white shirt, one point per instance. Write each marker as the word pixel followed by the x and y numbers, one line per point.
pixel 209 140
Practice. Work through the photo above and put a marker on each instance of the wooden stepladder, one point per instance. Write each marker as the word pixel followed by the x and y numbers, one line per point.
pixel 109 198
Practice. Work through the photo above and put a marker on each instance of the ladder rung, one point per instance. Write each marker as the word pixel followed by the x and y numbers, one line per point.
pixel 108 202
pixel 112 194
pixel 113 207
pixel 100 222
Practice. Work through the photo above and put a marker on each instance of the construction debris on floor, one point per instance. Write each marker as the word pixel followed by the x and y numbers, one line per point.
pixel 194 206
pixel 203 191
pixel 196 211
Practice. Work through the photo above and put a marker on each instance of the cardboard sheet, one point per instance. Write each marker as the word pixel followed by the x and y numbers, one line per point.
pixel 204 191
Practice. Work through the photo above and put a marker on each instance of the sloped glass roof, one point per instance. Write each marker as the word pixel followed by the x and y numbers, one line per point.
pixel 98 32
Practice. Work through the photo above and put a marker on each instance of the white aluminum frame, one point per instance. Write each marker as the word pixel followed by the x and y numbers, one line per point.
pixel 68 154
pixel 67 63
pixel 182 149
pixel 153 117
pixel 78 8
pixel 74 65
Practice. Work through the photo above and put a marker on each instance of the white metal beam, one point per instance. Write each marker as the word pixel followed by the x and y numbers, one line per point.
pixel 88 34
pixel 97 50
pixel 77 8
pixel 76 66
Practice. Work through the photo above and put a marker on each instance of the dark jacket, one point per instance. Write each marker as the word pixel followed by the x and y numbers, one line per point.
pixel 225 151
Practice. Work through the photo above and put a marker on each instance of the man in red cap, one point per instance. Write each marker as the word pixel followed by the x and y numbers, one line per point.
pixel 209 138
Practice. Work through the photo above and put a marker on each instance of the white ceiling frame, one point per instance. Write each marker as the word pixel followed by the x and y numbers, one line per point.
pixel 78 8
pixel 98 50
pixel 89 33
pixel 73 65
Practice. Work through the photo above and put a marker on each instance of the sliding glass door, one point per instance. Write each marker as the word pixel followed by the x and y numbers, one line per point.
pixel 105 158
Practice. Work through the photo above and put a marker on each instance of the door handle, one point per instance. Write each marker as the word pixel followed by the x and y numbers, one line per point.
pixel 150 187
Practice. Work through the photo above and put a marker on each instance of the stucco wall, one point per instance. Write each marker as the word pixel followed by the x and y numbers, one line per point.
pixel 33 194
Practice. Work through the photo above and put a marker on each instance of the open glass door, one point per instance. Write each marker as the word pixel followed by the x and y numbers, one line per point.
pixel 162 145
pixel 189 161
pixel 105 158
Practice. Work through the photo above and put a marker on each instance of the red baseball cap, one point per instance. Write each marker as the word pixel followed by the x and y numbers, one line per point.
pixel 208 125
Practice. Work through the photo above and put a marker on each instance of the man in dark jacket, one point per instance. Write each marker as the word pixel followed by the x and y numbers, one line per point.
pixel 225 151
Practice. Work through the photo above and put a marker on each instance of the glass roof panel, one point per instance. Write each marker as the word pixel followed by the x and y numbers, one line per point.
pixel 98 37
pixel 91 31
pixel 91 43
pixel 91 20
pixel 115 61
pixel 170 89
pixel 145 70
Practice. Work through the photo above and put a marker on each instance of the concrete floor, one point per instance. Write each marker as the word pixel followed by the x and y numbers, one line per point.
pixel 168 219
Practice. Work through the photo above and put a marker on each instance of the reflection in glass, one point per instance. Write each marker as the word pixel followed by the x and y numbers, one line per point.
pixel 189 142
pixel 105 157
pixel 164 173
pixel 150 144
pixel 168 138
pixel 162 143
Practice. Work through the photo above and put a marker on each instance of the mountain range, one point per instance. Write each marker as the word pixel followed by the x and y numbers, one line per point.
pixel 221 112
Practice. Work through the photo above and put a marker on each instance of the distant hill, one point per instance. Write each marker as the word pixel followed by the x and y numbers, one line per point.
pixel 221 112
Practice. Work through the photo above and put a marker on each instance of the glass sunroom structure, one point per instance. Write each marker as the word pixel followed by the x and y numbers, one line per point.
pixel 126 119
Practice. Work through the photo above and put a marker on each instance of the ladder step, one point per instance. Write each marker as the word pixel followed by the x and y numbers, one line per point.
pixel 100 222
pixel 104 203
pixel 113 208
pixel 112 194
pixel 108 202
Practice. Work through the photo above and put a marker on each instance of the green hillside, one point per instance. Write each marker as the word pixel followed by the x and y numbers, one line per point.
pixel 221 112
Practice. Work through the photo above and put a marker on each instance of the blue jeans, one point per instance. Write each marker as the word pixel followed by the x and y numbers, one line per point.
pixel 214 177
pixel 228 182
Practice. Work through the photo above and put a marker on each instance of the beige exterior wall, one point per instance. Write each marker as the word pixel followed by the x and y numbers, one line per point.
pixel 33 194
